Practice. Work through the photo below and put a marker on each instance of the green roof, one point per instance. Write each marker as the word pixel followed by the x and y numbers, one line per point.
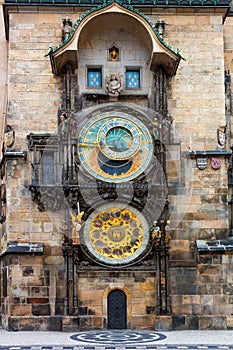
pixel 138 3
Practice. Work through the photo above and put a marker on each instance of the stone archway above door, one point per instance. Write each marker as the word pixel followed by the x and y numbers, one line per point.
pixel 128 296
pixel 117 310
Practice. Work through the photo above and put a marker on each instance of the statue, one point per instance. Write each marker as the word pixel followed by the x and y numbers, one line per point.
pixel 114 54
pixel 63 123
pixel 114 84
pixel 76 226
pixel 65 232
pixel 156 233
pixel 167 233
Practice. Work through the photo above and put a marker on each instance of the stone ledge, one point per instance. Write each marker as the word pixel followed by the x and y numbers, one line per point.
pixel 214 246
pixel 32 323
pixel 216 152
pixel 23 248
pixel 163 323
pixel 70 324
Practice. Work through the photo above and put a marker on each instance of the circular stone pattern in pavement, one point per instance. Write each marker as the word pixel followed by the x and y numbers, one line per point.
pixel 118 337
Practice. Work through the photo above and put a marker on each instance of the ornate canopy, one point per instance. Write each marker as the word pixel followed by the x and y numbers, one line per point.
pixel 134 22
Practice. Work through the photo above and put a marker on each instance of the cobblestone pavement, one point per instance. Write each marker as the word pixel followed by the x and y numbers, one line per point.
pixel 117 340
pixel 121 347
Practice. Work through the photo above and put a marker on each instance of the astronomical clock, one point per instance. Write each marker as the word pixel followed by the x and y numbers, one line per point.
pixel 116 173
pixel 115 147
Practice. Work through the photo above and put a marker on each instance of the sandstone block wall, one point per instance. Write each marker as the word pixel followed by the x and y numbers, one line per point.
pixel 198 198
pixel 140 289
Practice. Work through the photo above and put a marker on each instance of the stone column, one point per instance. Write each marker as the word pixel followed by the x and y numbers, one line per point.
pixel 160 91
pixel 3 75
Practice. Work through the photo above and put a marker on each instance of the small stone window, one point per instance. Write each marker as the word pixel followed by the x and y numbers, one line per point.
pixel 44 159
pixel 94 77
pixel 132 78
pixel 48 168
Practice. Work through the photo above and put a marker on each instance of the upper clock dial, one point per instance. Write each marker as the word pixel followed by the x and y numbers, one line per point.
pixel 119 140
pixel 115 147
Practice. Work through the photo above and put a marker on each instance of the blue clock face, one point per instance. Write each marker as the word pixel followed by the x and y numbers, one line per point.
pixel 115 147
pixel 119 140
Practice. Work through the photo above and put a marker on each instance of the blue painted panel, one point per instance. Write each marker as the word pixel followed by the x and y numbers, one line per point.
pixel 132 79
pixel 94 78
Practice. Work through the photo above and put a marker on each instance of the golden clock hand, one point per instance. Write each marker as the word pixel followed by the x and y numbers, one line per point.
pixel 87 144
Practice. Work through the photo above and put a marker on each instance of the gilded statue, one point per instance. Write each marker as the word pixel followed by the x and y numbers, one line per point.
pixel 77 223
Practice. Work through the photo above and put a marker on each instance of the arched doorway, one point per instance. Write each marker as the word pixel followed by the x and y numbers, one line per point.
pixel 117 310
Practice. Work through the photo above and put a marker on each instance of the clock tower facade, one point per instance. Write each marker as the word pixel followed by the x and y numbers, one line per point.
pixel 112 151
pixel 116 173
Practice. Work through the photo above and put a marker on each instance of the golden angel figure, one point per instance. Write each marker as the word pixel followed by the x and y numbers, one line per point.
pixel 76 226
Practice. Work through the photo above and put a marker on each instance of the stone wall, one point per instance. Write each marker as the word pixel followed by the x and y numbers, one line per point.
pixel 193 101
pixel 203 294
pixel 30 79
pixel 93 289
pixel 36 291
pixel 197 108
pixel 200 289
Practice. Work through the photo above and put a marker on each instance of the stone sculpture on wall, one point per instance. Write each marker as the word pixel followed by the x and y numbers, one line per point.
pixel 9 137
pixel 156 233
pixel 63 124
pixel 221 135
pixel 114 84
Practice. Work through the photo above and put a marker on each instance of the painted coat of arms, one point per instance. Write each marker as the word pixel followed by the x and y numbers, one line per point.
pixel 215 163
pixel 202 163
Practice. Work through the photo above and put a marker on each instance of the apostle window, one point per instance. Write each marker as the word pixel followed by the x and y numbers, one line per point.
pixel 94 77
pixel 132 78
